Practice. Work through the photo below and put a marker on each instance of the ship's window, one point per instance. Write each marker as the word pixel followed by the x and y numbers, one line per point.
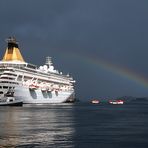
pixel 0 87
pixel 10 74
pixel 49 94
pixel 44 94
pixel 3 81
pixel 11 78
pixel 4 77
pixel 5 86
pixel 33 94
pixel 1 92
pixel 56 93
pixel 11 100
pixel 31 66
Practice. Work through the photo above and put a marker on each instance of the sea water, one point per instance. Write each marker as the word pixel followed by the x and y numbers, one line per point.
pixel 79 125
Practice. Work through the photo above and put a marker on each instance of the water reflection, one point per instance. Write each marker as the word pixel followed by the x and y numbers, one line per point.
pixel 37 126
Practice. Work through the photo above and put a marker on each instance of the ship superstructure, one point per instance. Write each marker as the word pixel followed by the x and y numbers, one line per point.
pixel 30 83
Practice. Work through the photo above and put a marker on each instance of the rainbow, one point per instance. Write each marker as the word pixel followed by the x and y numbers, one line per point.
pixel 121 71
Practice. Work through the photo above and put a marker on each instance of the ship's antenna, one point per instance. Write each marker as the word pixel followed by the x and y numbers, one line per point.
pixel 48 61
pixel 11 40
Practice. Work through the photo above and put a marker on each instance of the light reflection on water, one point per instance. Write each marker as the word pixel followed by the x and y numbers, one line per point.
pixel 80 125
pixel 37 125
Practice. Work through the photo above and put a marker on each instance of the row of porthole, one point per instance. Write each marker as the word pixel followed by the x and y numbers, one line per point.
pixel 6 87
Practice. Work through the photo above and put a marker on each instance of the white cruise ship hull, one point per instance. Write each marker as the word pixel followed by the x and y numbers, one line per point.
pixel 41 97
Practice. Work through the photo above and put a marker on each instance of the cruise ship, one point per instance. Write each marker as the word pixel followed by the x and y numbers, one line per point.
pixel 30 83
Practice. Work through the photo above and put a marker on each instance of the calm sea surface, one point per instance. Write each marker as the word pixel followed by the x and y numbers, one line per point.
pixel 80 125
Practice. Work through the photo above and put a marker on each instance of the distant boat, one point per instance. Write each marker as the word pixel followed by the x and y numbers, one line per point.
pixel 116 102
pixel 95 101
pixel 10 101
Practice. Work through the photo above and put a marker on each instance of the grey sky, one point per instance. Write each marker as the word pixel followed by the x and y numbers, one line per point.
pixel 113 30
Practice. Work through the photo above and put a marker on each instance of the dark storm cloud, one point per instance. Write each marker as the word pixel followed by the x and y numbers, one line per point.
pixel 114 30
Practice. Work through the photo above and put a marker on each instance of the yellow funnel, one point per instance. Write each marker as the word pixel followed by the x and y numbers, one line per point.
pixel 12 51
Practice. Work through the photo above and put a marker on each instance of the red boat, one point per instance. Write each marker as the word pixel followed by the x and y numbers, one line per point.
pixel 95 101
pixel 116 102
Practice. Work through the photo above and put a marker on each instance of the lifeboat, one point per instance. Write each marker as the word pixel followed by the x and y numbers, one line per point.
pixel 43 89
pixel 116 102
pixel 33 87
pixel 95 101
pixel 50 89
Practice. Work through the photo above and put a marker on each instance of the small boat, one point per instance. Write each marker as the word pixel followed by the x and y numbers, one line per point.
pixel 33 87
pixel 43 89
pixel 116 102
pixel 10 101
pixel 95 101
